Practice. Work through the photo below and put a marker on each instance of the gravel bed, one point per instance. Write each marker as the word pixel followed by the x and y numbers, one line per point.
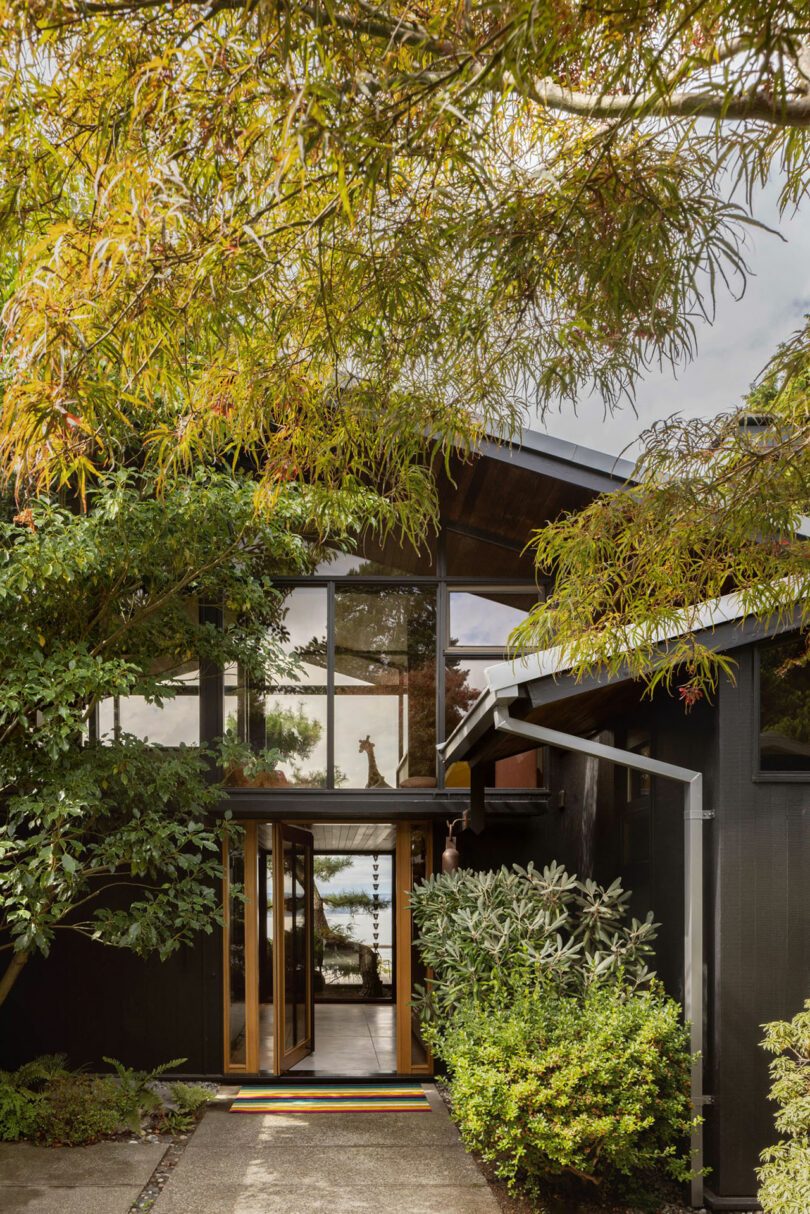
pixel 154 1185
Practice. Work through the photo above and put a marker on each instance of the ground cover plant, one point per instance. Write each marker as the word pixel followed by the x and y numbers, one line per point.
pixel 565 1057
pixel 784 1178
pixel 47 1102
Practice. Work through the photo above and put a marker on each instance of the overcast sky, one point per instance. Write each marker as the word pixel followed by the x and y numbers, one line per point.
pixel 731 353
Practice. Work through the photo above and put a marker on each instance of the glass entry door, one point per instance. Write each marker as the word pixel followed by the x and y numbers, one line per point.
pixel 292 953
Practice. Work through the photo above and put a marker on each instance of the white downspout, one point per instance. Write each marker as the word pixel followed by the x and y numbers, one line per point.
pixel 694 816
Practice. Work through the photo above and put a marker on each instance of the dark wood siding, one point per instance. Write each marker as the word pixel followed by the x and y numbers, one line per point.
pixel 762 915
pixel 88 1001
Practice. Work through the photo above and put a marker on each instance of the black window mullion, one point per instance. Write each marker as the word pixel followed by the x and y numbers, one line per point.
pixel 441 633
pixel 330 685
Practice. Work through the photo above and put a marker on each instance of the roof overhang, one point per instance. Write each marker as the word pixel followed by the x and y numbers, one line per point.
pixel 559 459
pixel 544 678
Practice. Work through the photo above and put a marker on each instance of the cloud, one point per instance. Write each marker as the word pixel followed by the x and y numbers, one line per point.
pixel 732 351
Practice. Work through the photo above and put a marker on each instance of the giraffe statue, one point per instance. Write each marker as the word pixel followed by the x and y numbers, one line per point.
pixel 375 776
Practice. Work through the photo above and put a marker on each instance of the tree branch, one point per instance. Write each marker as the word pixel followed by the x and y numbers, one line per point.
pixel 12 973
pixel 681 104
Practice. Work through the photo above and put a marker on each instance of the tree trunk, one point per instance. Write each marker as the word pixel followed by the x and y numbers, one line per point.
pixel 12 974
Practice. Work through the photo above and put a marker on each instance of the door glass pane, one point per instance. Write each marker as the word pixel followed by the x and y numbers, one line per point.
pixel 419 870
pixel 484 618
pixel 295 944
pixel 354 926
pixel 236 954
pixel 286 713
pixel 385 687
pixel 265 948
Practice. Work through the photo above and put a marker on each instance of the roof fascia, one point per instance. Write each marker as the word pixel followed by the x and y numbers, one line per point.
pixel 560 460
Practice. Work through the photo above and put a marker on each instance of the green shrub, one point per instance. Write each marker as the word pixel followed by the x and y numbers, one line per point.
pixel 18 1110
pixel 35 1074
pixel 784 1177
pixel 77 1109
pixel 190 1103
pixel 21 1095
pixel 548 1084
pixel 137 1099
pixel 45 1101
pixel 477 929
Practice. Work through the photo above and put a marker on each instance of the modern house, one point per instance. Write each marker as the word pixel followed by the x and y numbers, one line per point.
pixel 402 714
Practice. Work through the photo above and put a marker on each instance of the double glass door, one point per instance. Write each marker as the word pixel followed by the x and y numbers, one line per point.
pixel 269 1021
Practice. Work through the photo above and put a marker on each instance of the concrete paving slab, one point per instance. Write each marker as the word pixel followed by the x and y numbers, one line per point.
pixel 343 1163
pixel 304 1199
pixel 253 1130
pixel 104 1199
pixel 103 1163
pixel 283 1165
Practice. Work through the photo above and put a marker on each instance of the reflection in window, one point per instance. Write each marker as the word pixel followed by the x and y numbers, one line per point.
pixel 385 687
pixel 287 717
pixel 464 680
pixel 174 723
pixel 484 618
pixel 784 707
pixel 353 564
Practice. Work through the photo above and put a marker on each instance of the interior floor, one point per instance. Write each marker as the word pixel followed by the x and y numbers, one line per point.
pixel 352 1039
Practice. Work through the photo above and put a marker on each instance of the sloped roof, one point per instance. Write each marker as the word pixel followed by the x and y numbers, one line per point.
pixel 557 457
pixel 545 676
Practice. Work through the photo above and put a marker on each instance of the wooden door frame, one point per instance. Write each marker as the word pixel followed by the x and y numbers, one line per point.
pixel 403 936
pixel 403 970
pixel 284 1059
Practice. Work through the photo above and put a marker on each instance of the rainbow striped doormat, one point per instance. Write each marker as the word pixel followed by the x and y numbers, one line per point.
pixel 333 1098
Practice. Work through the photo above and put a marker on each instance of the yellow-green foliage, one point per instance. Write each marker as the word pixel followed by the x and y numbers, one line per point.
pixel 321 232
pixel 784 1178
pixel 544 1084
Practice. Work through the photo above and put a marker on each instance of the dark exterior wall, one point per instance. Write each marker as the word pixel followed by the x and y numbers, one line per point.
pixel 761 920
pixel 87 1001
pixel 539 838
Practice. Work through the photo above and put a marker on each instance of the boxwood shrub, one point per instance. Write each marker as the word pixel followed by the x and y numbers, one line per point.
pixel 545 1083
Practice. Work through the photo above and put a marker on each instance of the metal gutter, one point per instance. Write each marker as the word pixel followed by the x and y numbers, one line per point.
pixel 694 816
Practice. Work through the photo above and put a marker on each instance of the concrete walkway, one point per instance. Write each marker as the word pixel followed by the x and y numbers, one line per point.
pixel 102 1179
pixel 326 1163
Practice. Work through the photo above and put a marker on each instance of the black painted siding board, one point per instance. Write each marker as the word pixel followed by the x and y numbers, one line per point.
pixel 88 1001
pixel 761 924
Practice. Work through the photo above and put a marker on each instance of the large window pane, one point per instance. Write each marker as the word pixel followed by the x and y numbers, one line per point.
pixel 484 618
pixel 289 717
pixel 385 687
pixel 464 680
pixel 174 723
pixel 784 708
pixel 353 564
